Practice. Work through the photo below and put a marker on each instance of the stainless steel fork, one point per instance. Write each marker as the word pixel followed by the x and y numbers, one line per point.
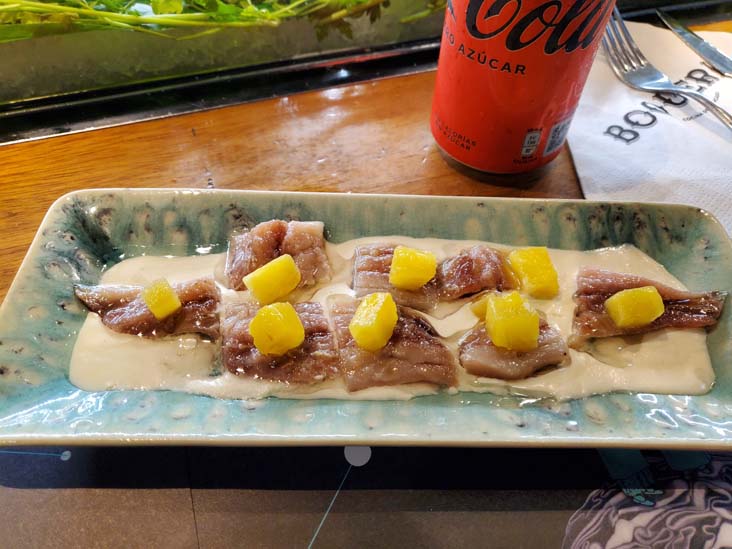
pixel 631 66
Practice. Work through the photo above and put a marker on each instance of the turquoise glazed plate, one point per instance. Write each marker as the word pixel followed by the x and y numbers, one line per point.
pixel 87 231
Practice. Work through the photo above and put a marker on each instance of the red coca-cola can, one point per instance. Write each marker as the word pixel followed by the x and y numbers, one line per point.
pixel 509 78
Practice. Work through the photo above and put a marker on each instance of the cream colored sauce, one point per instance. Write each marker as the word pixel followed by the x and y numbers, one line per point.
pixel 668 361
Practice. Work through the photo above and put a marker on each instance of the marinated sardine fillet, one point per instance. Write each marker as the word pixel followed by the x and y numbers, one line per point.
pixel 683 309
pixel 480 357
pixel 122 309
pixel 303 240
pixel 371 266
pixel 473 270
pixel 413 354
pixel 313 361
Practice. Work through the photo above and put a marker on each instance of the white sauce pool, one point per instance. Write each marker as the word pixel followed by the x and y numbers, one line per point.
pixel 667 361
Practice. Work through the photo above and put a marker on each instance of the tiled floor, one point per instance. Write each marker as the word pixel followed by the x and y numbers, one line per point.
pixel 109 497
pixel 262 497
pixel 278 497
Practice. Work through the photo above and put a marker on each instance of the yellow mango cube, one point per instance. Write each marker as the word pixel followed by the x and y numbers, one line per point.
pixel 635 307
pixel 478 306
pixel 274 280
pixel 161 299
pixel 510 322
pixel 374 321
pixel 535 271
pixel 411 269
pixel 276 329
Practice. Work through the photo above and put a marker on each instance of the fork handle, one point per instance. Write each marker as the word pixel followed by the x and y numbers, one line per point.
pixel 716 110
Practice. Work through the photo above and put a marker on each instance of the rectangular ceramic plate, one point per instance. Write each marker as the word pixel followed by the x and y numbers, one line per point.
pixel 85 232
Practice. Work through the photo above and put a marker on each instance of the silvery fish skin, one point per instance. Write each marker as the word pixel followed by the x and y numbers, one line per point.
pixel 413 354
pixel 473 270
pixel 480 357
pixel 683 309
pixel 371 266
pixel 315 360
pixel 122 309
pixel 303 240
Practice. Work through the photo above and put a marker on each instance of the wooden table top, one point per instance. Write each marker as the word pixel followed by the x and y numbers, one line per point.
pixel 371 137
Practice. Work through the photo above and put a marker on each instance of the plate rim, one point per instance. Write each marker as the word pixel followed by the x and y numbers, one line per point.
pixel 240 439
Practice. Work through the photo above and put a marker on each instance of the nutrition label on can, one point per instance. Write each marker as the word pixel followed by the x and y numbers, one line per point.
pixel 531 141
pixel 557 135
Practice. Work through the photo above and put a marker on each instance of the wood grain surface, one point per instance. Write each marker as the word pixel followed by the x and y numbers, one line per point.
pixel 371 137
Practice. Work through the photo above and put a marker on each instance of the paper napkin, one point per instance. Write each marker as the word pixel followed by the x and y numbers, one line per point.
pixel 635 146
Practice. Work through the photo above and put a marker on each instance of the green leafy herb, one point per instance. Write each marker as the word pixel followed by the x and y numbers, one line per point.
pixel 23 19
pixel 167 6
pixel 433 6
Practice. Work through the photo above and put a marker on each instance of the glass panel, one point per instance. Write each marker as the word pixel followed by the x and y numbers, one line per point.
pixel 51 51
pixel 52 48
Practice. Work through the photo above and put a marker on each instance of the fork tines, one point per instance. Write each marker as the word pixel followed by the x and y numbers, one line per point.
pixel 620 46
